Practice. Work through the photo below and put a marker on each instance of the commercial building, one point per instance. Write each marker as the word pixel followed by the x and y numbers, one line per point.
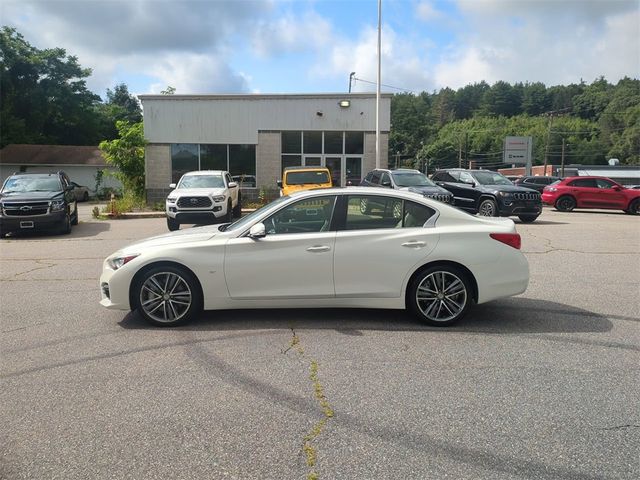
pixel 255 136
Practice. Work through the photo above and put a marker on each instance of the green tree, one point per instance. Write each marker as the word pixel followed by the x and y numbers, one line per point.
pixel 127 154
pixel 120 105
pixel 43 95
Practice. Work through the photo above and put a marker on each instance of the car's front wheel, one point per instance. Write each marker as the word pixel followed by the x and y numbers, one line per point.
pixel 237 210
pixel 440 295
pixel 528 218
pixel 172 224
pixel 488 208
pixel 65 228
pixel 634 207
pixel 228 218
pixel 167 296
pixel 565 203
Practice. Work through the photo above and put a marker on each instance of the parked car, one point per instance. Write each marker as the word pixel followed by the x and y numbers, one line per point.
pixel 245 181
pixel 296 179
pixel 81 192
pixel 203 197
pixel 316 248
pixel 591 192
pixel 409 180
pixel 536 183
pixel 36 202
pixel 489 194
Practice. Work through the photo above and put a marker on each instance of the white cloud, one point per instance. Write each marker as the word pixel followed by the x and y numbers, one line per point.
pixel 427 12
pixel 291 34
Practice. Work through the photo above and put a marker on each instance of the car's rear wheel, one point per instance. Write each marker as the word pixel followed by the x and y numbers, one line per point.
pixel 440 295
pixel 634 207
pixel 237 211
pixel 527 218
pixel 565 203
pixel 172 224
pixel 167 296
pixel 488 208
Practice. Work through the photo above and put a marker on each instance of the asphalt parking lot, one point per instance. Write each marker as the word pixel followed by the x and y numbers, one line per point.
pixel 544 385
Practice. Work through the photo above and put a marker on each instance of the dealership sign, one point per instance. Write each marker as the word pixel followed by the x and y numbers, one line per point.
pixel 517 150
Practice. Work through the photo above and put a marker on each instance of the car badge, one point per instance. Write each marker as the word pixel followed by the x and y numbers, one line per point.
pixel 193 201
pixel 25 208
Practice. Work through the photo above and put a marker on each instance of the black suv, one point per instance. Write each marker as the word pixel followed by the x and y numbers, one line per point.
pixel 490 194
pixel 37 201
pixel 409 180
pixel 536 183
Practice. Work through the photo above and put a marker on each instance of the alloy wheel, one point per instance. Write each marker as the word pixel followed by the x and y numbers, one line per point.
pixel 165 297
pixel 441 296
pixel 487 209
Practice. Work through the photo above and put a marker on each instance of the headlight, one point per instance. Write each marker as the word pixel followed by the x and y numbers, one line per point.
pixel 551 189
pixel 57 205
pixel 219 199
pixel 171 199
pixel 506 194
pixel 117 262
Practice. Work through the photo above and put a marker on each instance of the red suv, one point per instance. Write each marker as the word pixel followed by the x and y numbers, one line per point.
pixel 591 192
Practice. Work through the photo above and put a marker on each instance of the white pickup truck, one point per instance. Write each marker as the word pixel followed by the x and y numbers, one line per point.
pixel 203 197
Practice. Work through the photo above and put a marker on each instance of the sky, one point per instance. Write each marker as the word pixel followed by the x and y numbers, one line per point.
pixel 312 46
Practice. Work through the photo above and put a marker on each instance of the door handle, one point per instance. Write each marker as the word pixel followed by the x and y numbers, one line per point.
pixel 414 244
pixel 319 248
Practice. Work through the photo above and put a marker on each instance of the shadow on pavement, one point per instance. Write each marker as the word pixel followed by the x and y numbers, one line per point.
pixel 508 316
pixel 82 230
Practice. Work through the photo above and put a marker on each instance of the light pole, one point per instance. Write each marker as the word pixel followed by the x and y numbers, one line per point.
pixel 351 78
pixel 378 86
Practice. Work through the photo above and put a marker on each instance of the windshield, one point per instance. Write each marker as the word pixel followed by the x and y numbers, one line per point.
pixel 201 181
pixel 412 179
pixel 32 184
pixel 248 219
pixel 303 178
pixel 491 178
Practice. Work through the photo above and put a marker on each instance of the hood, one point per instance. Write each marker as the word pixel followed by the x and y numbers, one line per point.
pixel 427 190
pixel 510 188
pixel 197 192
pixel 188 235
pixel 25 196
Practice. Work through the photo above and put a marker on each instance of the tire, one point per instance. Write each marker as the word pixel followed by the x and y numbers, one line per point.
pixel 65 229
pixel 237 211
pixel 488 208
pixel 431 303
pixel 228 218
pixel 528 218
pixel 565 203
pixel 167 296
pixel 74 219
pixel 365 209
pixel 173 224
pixel 634 207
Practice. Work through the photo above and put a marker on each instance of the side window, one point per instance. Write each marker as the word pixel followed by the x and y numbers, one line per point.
pixel 366 212
pixel 228 177
pixel 385 181
pixel 466 178
pixel 415 215
pixel 311 215
pixel 443 177
pixel 369 177
pixel 604 183
pixel 375 179
pixel 583 182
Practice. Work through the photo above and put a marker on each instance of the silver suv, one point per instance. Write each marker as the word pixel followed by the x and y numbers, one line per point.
pixel 203 197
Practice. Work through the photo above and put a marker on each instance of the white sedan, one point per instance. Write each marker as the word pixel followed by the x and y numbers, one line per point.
pixel 317 249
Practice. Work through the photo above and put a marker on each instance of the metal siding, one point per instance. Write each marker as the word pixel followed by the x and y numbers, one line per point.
pixel 238 120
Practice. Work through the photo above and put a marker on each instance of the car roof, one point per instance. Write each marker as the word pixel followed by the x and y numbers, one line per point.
pixel 207 172
pixel 309 168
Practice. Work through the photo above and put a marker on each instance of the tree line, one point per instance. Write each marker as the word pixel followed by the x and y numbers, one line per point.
pixel 584 123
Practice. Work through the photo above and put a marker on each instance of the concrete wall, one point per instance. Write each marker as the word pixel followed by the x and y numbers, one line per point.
pixel 157 165
pixel 268 159
pixel 369 159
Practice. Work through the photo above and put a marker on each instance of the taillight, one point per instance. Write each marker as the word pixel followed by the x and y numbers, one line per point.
pixel 511 239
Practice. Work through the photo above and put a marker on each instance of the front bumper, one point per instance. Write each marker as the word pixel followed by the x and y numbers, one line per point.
pixel 549 198
pixel 519 207
pixel 17 223
pixel 198 216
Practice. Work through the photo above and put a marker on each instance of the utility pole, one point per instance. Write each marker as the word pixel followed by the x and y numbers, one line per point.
pixel 378 153
pixel 546 147
pixel 460 153
pixel 351 78
pixel 466 140
pixel 562 161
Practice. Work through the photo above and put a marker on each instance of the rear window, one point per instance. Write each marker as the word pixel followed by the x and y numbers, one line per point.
pixel 304 178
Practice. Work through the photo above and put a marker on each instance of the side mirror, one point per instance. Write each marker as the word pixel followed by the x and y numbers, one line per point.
pixel 617 188
pixel 233 184
pixel 172 185
pixel 279 183
pixel 69 188
pixel 257 231
pixel 386 183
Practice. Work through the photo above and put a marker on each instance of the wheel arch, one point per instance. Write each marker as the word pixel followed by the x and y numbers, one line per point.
pixel 486 196
pixel 572 197
pixel 160 263
pixel 450 263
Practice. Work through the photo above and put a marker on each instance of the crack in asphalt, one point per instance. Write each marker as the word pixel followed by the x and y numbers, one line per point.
pixel 549 245
pixel 308 448
pixel 43 266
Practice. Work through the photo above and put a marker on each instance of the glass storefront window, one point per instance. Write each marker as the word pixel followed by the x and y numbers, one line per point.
pixel 333 142
pixel 290 161
pixel 213 157
pixel 312 142
pixel 242 160
pixel 354 143
pixel 184 158
pixel 291 142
